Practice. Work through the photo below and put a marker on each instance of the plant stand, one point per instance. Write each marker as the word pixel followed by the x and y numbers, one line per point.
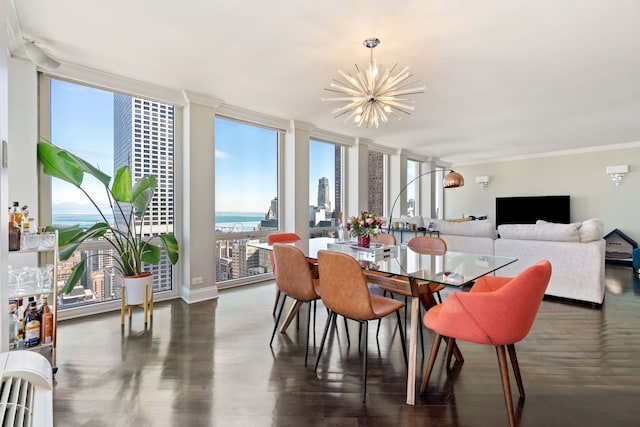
pixel 147 305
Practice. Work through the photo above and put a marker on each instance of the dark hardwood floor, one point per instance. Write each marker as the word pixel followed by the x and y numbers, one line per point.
pixel 209 364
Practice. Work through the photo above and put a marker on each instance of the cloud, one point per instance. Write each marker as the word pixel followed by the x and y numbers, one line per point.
pixel 222 155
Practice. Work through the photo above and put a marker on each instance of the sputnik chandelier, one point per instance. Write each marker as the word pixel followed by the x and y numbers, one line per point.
pixel 371 96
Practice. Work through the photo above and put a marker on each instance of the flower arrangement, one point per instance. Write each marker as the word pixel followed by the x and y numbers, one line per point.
pixel 364 224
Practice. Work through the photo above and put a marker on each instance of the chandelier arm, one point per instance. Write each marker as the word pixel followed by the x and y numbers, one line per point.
pixel 353 81
pixel 344 89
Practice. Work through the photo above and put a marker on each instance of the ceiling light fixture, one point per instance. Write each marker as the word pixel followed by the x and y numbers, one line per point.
pixel 370 96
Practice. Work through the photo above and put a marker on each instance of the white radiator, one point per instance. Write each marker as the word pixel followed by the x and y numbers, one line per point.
pixel 26 396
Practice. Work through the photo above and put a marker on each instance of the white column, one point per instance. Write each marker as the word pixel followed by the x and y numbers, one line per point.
pixel 356 178
pixel 196 191
pixel 295 179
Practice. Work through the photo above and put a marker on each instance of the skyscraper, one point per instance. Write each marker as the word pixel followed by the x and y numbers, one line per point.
pixel 143 139
pixel 324 195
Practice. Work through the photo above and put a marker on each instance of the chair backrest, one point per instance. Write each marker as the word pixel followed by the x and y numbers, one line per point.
pixel 427 245
pixel 500 317
pixel 343 287
pixel 280 238
pixel 293 272
pixel 385 238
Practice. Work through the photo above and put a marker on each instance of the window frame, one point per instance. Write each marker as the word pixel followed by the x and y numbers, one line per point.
pixel 44 184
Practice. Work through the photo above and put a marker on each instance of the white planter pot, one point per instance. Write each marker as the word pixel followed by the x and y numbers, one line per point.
pixel 135 289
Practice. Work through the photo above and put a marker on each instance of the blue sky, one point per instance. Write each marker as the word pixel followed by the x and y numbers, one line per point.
pixel 246 156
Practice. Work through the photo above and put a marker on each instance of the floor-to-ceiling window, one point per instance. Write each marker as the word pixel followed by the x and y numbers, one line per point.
pixel 109 130
pixel 413 188
pixel 326 169
pixel 246 197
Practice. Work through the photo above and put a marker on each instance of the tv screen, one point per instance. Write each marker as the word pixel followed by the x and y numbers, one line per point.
pixel 527 210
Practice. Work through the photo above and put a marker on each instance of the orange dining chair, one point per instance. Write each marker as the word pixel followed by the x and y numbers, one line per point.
pixel 500 312
pixel 426 245
pixel 294 279
pixel 344 291
pixel 432 246
pixel 385 239
pixel 279 238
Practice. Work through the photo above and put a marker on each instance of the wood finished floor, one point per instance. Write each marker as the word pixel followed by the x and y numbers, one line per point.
pixel 209 364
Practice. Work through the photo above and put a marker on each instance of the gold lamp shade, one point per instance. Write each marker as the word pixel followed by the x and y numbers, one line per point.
pixel 453 180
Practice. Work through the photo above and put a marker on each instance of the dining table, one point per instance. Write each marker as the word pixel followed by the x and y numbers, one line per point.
pixel 400 270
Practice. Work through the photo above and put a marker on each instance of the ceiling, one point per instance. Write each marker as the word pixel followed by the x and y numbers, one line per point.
pixel 503 78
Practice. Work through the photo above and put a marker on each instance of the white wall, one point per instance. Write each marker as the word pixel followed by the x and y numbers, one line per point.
pixel 579 175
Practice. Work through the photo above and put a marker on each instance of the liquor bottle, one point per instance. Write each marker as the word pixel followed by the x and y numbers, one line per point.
pixel 13 328
pixel 17 214
pixel 46 334
pixel 31 326
pixel 14 232
pixel 23 306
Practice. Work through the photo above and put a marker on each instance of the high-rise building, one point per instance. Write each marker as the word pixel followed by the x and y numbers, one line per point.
pixel 376 182
pixel 324 195
pixel 144 140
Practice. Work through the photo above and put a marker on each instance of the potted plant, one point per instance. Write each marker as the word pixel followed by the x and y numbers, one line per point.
pixel 128 203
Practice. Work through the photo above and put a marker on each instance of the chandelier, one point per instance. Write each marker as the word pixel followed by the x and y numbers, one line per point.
pixel 369 97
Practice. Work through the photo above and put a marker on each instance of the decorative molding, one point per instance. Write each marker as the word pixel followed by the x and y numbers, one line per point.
pixel 301 125
pixel 333 137
pixel 201 98
pixel 573 152
pixel 112 82
pixel 253 117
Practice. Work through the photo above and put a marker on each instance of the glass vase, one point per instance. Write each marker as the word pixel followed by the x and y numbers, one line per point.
pixel 363 241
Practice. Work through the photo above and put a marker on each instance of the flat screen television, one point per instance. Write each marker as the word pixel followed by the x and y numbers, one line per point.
pixel 527 210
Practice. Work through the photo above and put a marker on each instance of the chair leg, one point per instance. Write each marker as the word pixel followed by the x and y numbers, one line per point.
pixel 346 329
pixel 275 326
pixel 332 317
pixel 365 324
pixel 384 294
pixel 506 386
pixel 516 368
pixel 275 303
pixel 306 351
pixel 432 360
pixel 315 308
pixel 402 340
pixel 451 345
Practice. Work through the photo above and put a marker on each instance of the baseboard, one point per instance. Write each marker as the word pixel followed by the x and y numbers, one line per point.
pixel 191 296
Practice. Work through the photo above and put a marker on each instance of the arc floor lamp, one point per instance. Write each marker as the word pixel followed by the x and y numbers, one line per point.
pixel 451 180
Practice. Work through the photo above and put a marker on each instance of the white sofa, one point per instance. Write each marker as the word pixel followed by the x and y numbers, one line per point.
pixel 576 251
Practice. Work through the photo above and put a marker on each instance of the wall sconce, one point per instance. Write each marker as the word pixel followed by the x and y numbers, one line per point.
pixel 617 173
pixel 483 182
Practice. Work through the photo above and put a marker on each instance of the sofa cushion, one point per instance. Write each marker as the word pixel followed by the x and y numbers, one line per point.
pixel 591 230
pixel 480 228
pixel 542 230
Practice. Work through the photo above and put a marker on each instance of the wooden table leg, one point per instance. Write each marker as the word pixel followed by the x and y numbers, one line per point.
pixel 411 375
pixel 290 316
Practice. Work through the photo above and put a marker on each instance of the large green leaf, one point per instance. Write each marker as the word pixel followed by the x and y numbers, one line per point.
pixel 76 273
pixel 121 188
pixel 70 237
pixel 170 246
pixel 57 166
pixel 86 167
pixel 142 194
pixel 66 233
pixel 62 164
pixel 150 253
